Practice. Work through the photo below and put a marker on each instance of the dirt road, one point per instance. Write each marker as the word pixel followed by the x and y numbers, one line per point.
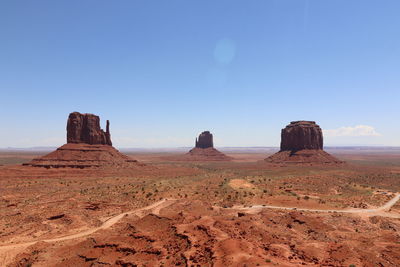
pixel 7 252
pixel 380 211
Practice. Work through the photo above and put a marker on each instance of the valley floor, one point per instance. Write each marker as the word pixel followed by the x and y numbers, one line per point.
pixel 168 213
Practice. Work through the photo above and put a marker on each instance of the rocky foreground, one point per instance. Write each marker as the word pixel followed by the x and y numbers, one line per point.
pixel 200 214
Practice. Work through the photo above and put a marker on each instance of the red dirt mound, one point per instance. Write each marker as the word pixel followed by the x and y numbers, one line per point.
pixel 81 156
pixel 304 156
pixel 201 154
pixel 206 154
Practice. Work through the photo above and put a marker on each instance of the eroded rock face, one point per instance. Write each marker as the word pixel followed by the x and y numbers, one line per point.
pixel 302 143
pixel 299 135
pixel 88 146
pixel 205 140
pixel 85 128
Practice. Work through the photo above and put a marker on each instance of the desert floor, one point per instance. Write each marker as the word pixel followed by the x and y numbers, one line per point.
pixel 169 213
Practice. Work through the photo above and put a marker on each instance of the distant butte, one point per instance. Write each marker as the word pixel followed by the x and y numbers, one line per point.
pixel 205 140
pixel 302 143
pixel 204 149
pixel 87 146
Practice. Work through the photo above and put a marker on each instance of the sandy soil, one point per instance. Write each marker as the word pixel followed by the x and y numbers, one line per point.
pixel 238 213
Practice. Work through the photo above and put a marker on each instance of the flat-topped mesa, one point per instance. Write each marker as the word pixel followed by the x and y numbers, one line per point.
pixel 302 143
pixel 299 135
pixel 205 140
pixel 85 128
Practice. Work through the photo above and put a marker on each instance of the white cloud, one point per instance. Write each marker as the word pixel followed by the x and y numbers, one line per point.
pixel 358 130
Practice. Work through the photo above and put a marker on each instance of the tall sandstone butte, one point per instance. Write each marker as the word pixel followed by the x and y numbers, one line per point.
pixel 87 146
pixel 85 128
pixel 300 135
pixel 205 140
pixel 302 142
pixel 203 151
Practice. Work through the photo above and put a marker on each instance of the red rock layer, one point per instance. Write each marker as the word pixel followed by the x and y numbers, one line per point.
pixel 206 154
pixel 201 154
pixel 205 140
pixel 82 156
pixel 300 135
pixel 305 156
pixel 85 128
pixel 302 143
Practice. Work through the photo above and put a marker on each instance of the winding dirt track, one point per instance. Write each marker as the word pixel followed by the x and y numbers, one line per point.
pixel 7 251
pixel 380 211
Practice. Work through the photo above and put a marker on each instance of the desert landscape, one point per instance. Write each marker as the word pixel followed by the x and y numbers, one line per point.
pixel 155 209
pixel 200 133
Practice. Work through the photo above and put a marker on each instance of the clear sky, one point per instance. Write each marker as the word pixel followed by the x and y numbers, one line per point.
pixel 163 71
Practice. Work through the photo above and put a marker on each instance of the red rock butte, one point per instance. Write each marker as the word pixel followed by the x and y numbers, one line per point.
pixel 204 150
pixel 302 143
pixel 85 128
pixel 205 140
pixel 87 146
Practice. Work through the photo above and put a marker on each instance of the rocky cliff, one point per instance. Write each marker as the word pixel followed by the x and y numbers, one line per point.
pixel 85 128
pixel 302 143
pixel 205 140
pixel 87 146
pixel 300 135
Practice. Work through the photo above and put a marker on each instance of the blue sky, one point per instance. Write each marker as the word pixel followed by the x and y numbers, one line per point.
pixel 163 71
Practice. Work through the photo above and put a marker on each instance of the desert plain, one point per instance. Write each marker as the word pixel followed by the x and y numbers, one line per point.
pixel 243 212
